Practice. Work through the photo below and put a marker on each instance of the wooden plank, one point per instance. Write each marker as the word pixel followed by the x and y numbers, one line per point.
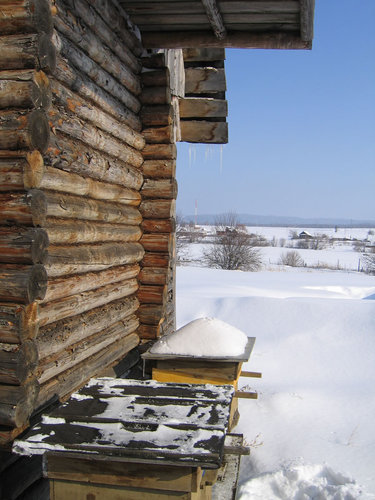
pixel 203 107
pixel 307 19
pixel 186 378
pixel 204 132
pixel 251 374
pixel 246 395
pixel 204 80
pixel 226 372
pixel 215 18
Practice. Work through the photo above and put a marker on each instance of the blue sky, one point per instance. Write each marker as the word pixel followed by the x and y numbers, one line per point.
pixel 301 127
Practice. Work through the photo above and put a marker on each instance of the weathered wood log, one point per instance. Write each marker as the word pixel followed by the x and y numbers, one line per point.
pixel 28 209
pixel 157 209
pixel 65 122
pixel 150 314
pixel 251 374
pixel 72 155
pixel 63 333
pixel 159 169
pixel 86 88
pixel 204 132
pixel 158 225
pixel 17 402
pixel 153 276
pixel 215 18
pixel 104 32
pixel 154 60
pixel 25 16
pixel 199 107
pixel 204 80
pixel 112 254
pixel 18 323
pixel 76 376
pixel 157 242
pixel 152 116
pixel 159 135
pixel 85 38
pixel 153 259
pixel 58 180
pixel 119 23
pixel 11 174
pixel 197 55
pixel 83 109
pixel 157 78
pixel 17 362
pixel 22 284
pixel 24 130
pixel 27 51
pixel 77 304
pixel 152 294
pixel 23 245
pixel 159 152
pixel 61 231
pixel 101 77
pixel 159 188
pixel 63 360
pixel 63 287
pixel 78 207
pixel 155 96
pixel 7 436
pixel 24 89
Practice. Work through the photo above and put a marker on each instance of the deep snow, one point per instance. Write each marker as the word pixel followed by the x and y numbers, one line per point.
pixel 312 429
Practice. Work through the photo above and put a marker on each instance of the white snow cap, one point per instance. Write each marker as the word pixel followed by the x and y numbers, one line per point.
pixel 203 337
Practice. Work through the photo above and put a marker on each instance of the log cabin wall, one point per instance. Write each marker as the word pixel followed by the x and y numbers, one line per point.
pixel 71 174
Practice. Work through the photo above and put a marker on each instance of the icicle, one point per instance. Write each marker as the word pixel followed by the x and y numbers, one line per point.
pixel 221 158
pixel 189 155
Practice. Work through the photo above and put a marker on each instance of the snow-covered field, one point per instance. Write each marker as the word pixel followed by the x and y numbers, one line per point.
pixel 311 431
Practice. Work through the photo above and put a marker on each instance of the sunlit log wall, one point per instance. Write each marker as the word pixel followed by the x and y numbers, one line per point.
pixel 70 180
pixel 162 79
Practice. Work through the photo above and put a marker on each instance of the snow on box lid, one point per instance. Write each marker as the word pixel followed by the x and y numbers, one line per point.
pixel 203 337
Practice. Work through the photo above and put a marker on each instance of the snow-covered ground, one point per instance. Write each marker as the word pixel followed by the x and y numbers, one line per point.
pixel 311 431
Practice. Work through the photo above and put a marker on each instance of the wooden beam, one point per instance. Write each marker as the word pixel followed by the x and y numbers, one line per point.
pixel 214 17
pixel 240 40
pixel 307 20
pixel 197 107
pixel 204 132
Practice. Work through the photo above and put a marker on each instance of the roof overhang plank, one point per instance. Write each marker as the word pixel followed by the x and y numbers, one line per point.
pixel 215 19
pixel 238 39
pixel 307 19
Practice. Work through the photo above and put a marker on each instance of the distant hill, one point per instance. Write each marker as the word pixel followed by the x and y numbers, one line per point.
pixel 280 220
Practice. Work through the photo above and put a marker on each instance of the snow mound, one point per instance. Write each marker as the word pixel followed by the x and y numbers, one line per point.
pixel 302 482
pixel 203 337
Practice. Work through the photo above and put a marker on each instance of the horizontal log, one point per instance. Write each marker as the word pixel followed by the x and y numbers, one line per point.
pixel 160 152
pixel 22 284
pixel 24 130
pixel 251 374
pixel 65 122
pixel 110 84
pixel 156 78
pixel 27 51
pixel 86 88
pixel 159 169
pixel 204 132
pixel 69 154
pixel 79 303
pixel 18 322
pixel 246 395
pixel 76 376
pixel 155 96
pixel 62 231
pixel 17 362
pixel 65 359
pixel 23 245
pixel 150 314
pixel 28 209
pixel 158 225
pixel 87 111
pixel 67 182
pixel 153 276
pixel 157 209
pixel 154 60
pixel 159 135
pixel 58 270
pixel 152 294
pixel 149 332
pixel 104 32
pixel 204 80
pixel 24 89
pixel 197 55
pixel 112 254
pixel 64 287
pixel 11 174
pixel 120 23
pixel 25 16
pixel 198 107
pixel 17 402
pixel 159 188
pixel 78 207
pixel 153 259
pixel 63 333
pixel 157 242
pixel 152 116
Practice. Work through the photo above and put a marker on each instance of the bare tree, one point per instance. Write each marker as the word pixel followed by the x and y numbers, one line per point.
pixel 292 259
pixel 369 260
pixel 181 238
pixel 233 248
